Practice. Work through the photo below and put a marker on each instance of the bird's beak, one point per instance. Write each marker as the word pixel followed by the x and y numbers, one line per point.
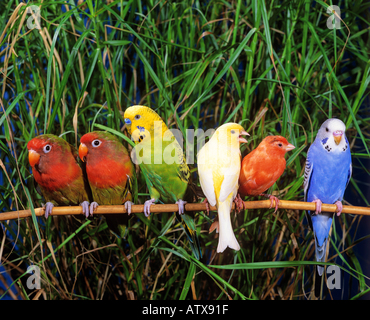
pixel 241 139
pixel 337 136
pixel 33 157
pixel 289 147
pixel 82 151
pixel 128 125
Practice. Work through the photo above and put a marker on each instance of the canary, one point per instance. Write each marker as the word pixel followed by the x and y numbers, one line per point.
pixel 219 168
pixel 262 167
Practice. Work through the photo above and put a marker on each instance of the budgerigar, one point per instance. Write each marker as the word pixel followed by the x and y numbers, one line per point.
pixel 163 163
pixel 327 174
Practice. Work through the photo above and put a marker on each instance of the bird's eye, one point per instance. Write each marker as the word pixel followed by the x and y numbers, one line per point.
pixel 280 144
pixel 96 143
pixel 232 131
pixel 137 117
pixel 327 130
pixel 47 148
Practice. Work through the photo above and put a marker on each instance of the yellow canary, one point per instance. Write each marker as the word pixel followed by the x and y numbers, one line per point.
pixel 219 169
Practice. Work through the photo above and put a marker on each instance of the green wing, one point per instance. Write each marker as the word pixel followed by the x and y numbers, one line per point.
pixel 169 183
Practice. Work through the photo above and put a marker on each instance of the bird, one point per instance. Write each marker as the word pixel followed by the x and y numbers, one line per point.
pixel 262 167
pixel 60 177
pixel 111 175
pixel 162 161
pixel 327 173
pixel 219 169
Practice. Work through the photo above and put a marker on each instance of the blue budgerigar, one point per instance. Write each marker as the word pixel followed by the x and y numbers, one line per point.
pixel 327 173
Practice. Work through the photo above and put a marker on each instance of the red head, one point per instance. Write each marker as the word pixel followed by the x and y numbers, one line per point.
pixel 276 145
pixel 99 144
pixel 53 161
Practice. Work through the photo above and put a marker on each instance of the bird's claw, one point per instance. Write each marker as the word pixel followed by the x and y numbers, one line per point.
pixel 181 205
pixel 207 205
pixel 93 206
pixel 339 207
pixel 85 208
pixel 128 205
pixel 272 199
pixel 147 205
pixel 239 203
pixel 318 206
pixel 48 208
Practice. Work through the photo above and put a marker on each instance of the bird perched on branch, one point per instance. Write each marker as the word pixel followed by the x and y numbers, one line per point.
pixel 327 174
pixel 162 161
pixel 111 175
pixel 262 167
pixel 58 173
pixel 219 169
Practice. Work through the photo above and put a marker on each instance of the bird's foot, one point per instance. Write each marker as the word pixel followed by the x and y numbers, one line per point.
pixel 93 206
pixel 239 203
pixel 205 201
pixel 272 199
pixel 128 205
pixel 339 207
pixel 85 208
pixel 147 205
pixel 214 226
pixel 48 208
pixel 318 206
pixel 181 205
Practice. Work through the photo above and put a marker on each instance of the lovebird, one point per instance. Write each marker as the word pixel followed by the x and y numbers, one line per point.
pixel 262 167
pixel 58 173
pixel 219 168
pixel 162 161
pixel 327 173
pixel 111 175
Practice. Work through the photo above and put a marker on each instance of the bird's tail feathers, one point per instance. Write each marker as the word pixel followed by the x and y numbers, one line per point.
pixel 188 225
pixel 226 233
pixel 320 252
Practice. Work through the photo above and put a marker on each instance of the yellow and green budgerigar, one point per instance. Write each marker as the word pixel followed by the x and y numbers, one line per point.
pixel 161 158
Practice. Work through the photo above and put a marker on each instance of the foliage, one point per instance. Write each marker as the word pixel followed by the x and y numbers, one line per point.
pixel 273 66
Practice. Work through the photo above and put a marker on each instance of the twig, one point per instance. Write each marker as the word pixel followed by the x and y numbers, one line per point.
pixel 159 208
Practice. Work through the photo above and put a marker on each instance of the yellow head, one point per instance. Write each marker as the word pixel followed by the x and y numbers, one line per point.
pixel 141 121
pixel 230 134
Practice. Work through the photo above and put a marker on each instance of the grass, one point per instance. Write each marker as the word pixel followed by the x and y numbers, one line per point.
pixel 272 66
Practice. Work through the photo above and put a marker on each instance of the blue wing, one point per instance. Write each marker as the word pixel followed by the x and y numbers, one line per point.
pixel 307 175
pixel 320 224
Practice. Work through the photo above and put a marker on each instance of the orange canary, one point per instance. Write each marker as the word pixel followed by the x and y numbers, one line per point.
pixel 262 167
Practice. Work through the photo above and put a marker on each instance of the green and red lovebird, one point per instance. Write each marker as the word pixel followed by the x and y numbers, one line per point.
pixel 111 175
pixel 262 167
pixel 163 164
pixel 58 173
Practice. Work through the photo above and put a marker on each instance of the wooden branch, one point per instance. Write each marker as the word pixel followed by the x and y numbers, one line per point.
pixel 158 208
